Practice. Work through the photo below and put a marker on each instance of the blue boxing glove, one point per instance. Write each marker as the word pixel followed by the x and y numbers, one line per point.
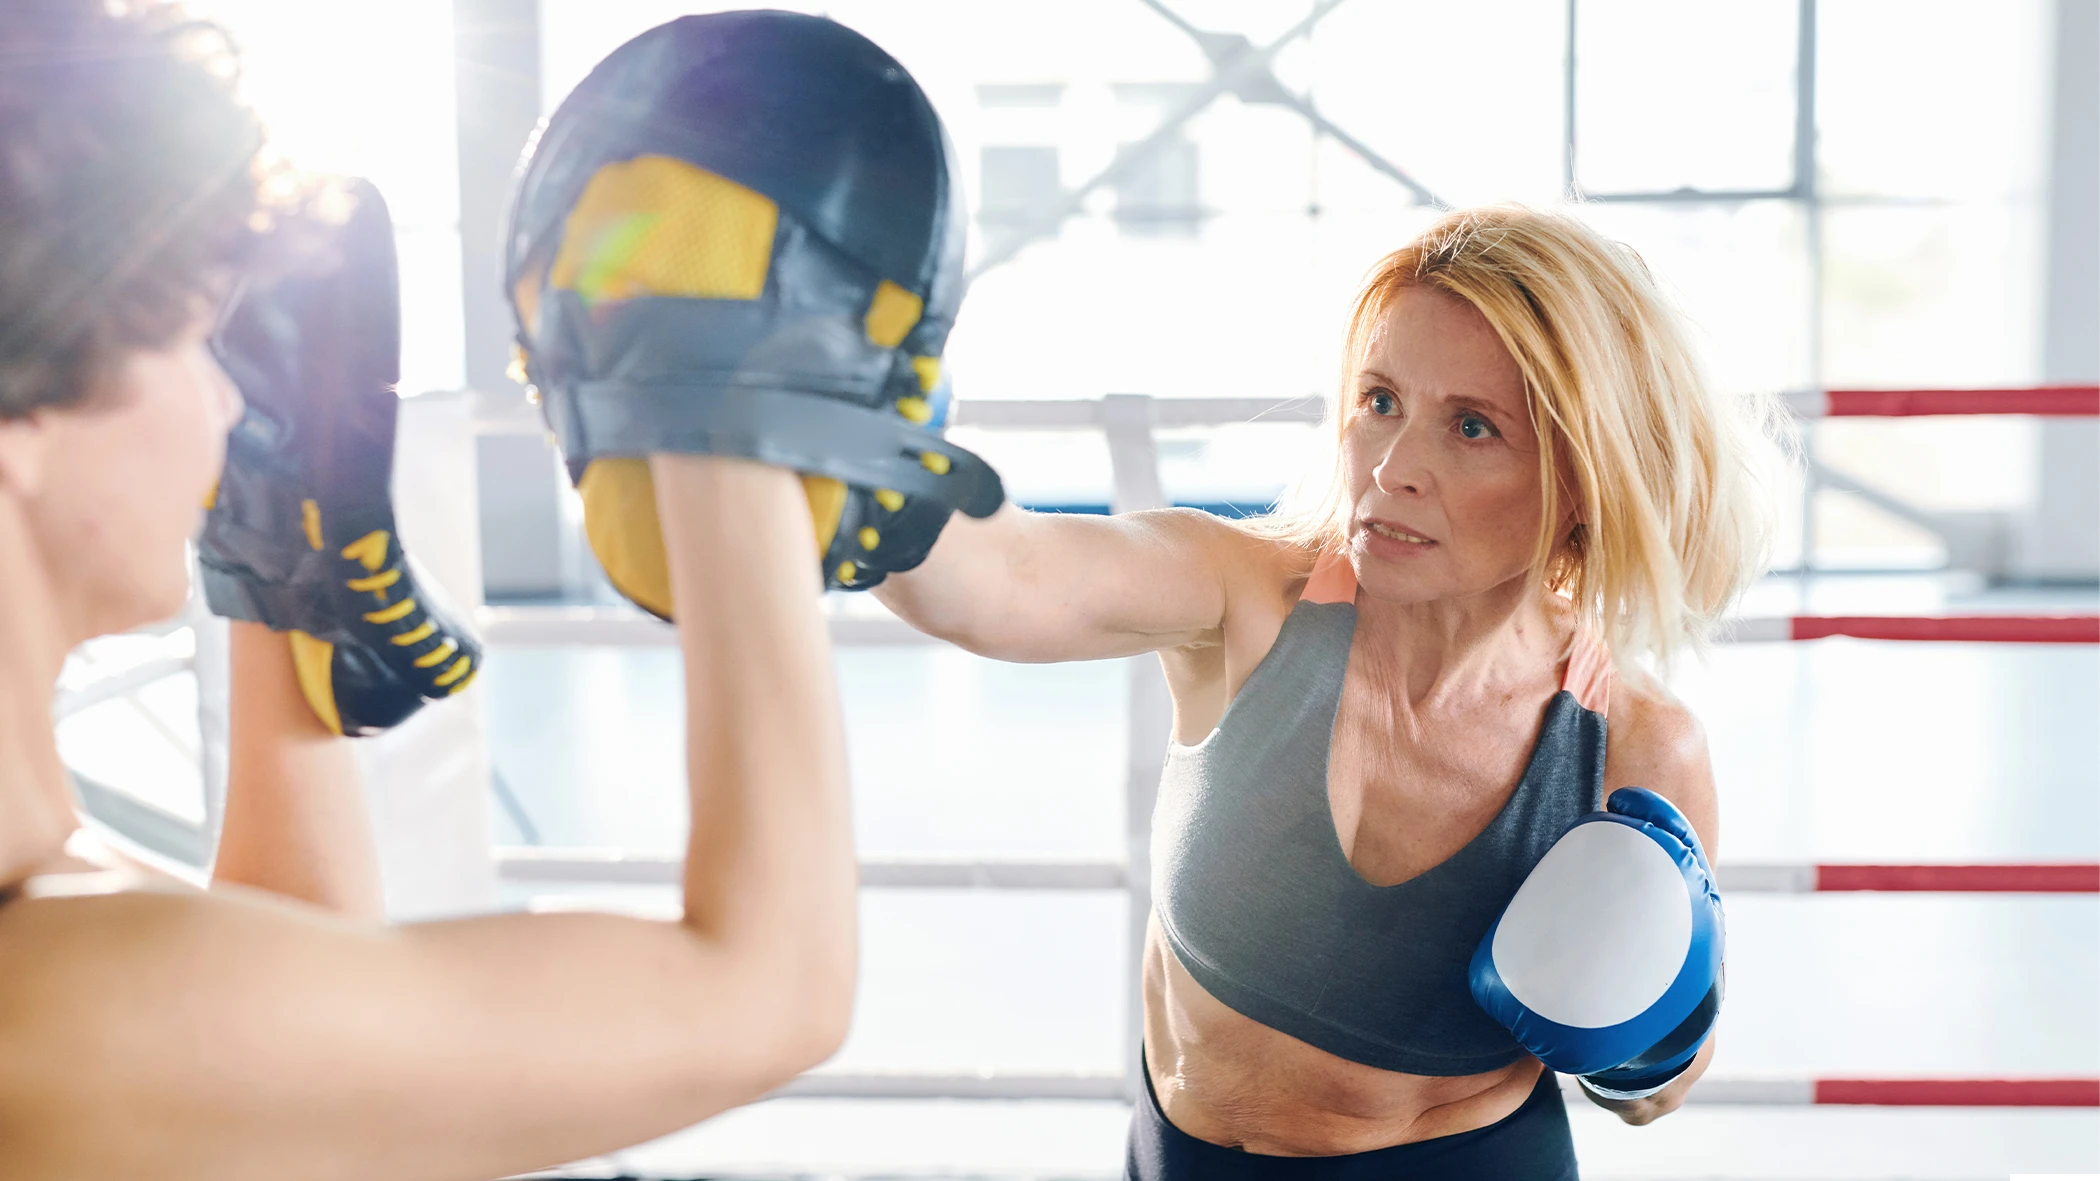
pixel 1607 962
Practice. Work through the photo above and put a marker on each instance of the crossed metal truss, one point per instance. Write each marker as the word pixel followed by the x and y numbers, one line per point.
pixel 1239 68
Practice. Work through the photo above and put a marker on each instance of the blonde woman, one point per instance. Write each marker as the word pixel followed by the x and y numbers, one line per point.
pixel 1393 698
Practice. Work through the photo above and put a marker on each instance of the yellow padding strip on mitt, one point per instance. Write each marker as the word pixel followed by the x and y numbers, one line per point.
pixel 398 611
pixel 368 551
pixel 929 371
pixel 619 519
pixel 458 670
pixel 891 314
pixel 314 661
pixel 827 503
pixel 376 583
pixel 657 226
pixel 436 656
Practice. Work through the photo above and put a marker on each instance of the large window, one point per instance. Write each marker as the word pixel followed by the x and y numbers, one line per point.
pixel 369 92
pixel 1900 248
pixel 1932 118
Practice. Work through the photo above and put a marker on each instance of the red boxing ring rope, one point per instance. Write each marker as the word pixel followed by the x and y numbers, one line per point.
pixel 1955 1092
pixel 1975 629
pixel 2051 401
pixel 2066 878
pixel 1795 1091
pixel 1968 629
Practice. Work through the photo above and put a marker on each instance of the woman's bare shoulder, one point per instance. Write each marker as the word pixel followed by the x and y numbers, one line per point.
pixel 1252 566
pixel 1654 724
pixel 1266 565
pixel 1657 742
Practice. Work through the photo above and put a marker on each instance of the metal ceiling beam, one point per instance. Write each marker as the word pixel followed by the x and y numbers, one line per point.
pixel 1246 69
pixel 1263 88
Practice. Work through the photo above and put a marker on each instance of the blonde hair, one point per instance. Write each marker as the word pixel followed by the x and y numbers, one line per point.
pixel 1663 475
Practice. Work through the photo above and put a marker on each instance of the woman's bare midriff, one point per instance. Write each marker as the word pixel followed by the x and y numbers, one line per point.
pixel 1401 805
pixel 1230 1080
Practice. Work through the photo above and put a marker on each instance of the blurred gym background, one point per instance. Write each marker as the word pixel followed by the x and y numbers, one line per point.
pixel 1172 201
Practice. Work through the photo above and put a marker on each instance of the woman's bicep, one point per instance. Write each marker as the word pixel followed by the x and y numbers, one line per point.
pixel 179 1036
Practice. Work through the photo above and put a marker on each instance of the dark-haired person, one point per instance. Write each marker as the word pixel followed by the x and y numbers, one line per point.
pixel 272 1027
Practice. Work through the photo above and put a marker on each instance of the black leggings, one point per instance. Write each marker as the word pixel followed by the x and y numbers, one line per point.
pixel 1529 1144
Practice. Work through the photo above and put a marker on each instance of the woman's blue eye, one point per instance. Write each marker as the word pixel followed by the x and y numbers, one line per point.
pixel 1382 402
pixel 1472 426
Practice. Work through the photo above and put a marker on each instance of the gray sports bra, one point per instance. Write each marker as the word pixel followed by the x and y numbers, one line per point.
pixel 1261 906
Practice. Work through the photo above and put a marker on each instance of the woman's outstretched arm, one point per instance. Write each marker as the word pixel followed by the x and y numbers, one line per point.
pixel 1055 586
pixel 231 1036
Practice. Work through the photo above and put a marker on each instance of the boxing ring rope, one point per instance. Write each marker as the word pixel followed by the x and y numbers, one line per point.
pixel 1129 423
pixel 118 685
pixel 1748 1090
pixel 621 627
pixel 2049 401
pixel 576 867
pixel 1950 629
pixel 2042 401
pixel 528 864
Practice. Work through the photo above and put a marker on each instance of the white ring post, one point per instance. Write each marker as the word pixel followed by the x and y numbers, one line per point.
pixel 428 779
pixel 1133 459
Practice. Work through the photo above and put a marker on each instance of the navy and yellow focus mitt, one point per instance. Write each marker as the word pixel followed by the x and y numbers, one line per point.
pixel 741 235
pixel 300 532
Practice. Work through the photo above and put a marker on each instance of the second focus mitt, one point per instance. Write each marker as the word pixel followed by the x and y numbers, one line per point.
pixel 300 532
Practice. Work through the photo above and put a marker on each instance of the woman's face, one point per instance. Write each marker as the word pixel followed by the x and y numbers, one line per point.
pixel 120 480
pixel 1439 456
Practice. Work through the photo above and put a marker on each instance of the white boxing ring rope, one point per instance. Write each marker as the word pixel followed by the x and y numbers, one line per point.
pixel 1129 422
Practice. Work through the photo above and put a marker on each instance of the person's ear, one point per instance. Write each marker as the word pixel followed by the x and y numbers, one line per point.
pixel 25 444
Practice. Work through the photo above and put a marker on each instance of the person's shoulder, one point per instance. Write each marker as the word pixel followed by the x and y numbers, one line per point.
pixel 1245 557
pixel 1656 728
pixel 1657 742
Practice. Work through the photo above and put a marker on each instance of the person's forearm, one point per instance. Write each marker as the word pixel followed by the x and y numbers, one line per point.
pixel 770 869
pixel 1032 587
pixel 969 575
pixel 296 820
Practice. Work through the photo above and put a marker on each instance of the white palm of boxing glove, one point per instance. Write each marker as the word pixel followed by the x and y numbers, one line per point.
pixel 1607 962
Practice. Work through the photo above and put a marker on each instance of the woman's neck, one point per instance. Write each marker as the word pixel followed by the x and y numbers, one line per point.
pixel 36 810
pixel 1461 646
